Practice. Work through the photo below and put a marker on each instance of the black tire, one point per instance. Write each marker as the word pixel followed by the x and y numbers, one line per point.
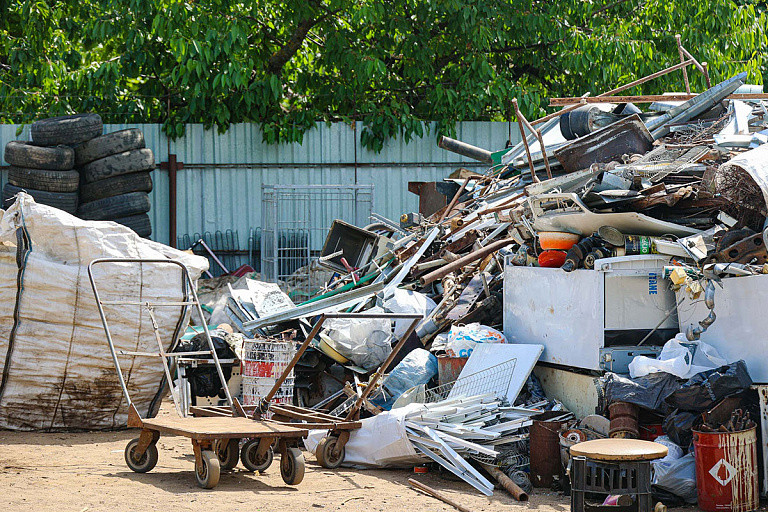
pixel 66 201
pixel 325 453
pixel 292 466
pixel 140 224
pixel 116 185
pixel 68 130
pixel 42 179
pixel 115 207
pixel 229 450
pixel 249 459
pixel 116 165
pixel 25 154
pixel 147 462
pixel 108 144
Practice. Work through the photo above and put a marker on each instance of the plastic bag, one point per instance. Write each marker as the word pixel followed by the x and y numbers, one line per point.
pixel 678 357
pixel 679 424
pixel 648 392
pixel 462 339
pixel 674 452
pixel 364 341
pixel 408 302
pixel 677 476
pixel 417 368
pixel 706 389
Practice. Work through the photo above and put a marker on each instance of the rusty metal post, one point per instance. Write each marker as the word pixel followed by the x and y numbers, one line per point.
pixel 172 166
pixel 525 140
pixel 682 59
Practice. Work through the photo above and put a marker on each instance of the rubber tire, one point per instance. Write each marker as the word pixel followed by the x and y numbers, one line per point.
pixel 147 462
pixel 140 224
pixel 324 450
pixel 117 185
pixel 208 475
pixel 116 165
pixel 292 466
pixel 66 201
pixel 229 450
pixel 248 456
pixel 43 179
pixel 26 154
pixel 115 207
pixel 67 130
pixel 107 145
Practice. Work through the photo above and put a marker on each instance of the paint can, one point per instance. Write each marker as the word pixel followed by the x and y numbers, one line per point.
pixel 638 244
pixel 726 470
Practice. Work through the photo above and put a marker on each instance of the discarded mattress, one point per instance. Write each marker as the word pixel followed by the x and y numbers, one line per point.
pixel 57 372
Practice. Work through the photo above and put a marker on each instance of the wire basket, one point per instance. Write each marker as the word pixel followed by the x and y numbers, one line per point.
pixel 263 362
pixel 494 380
pixel 255 388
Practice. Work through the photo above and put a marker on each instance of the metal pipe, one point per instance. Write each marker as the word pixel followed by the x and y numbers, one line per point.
pixel 648 78
pixel 454 200
pixel 464 149
pixel 520 121
pixel 682 59
pixel 465 260
pixel 439 496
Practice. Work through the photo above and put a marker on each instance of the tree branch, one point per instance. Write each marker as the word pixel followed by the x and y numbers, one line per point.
pixel 288 50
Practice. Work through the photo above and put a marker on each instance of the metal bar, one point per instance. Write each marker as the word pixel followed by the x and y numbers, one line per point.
pixel 544 153
pixel 650 77
pixel 521 122
pixel 682 59
pixel 464 149
pixel 164 359
pixel 212 255
pixel 564 110
pixel 454 200
pixel 164 354
pixel 145 303
pixel 375 316
pixel 559 102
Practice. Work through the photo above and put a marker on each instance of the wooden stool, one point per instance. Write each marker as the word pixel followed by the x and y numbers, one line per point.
pixel 613 467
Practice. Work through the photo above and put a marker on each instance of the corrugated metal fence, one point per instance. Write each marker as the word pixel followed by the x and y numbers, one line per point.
pixel 219 188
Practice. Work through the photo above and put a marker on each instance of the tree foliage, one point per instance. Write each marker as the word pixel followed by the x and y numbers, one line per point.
pixel 390 64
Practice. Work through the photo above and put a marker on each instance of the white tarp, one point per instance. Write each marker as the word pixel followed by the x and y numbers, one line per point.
pixel 56 365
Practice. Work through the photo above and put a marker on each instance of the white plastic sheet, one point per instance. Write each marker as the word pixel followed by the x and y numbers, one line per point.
pixel 407 302
pixel 679 357
pixel 59 372
pixel 364 341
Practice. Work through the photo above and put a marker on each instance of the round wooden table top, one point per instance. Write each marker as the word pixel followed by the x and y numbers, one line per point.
pixel 619 450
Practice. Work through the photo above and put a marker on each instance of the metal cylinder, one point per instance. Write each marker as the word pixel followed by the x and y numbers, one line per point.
pixel 624 424
pixel 449 368
pixel 464 149
pixel 545 449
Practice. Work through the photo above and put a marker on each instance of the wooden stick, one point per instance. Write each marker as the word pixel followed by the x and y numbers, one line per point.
pixel 543 152
pixel 648 78
pixel 560 112
pixel 706 74
pixel 650 98
pixel 453 201
pixel 437 495
pixel 507 483
pixel 682 58
pixel 525 139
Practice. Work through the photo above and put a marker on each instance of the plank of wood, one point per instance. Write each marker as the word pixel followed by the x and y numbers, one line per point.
pixel 220 428
pixel 560 102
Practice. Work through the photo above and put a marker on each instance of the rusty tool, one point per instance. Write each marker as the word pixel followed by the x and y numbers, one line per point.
pixel 435 494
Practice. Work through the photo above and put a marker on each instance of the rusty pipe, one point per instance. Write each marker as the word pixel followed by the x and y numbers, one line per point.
pixel 454 200
pixel 465 260
pixel 507 483
pixel 464 149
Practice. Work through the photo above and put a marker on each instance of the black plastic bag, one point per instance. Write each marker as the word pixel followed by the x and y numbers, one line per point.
pixel 204 380
pixel 679 425
pixel 704 390
pixel 648 391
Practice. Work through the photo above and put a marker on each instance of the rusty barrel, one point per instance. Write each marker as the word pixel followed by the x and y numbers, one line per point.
pixel 624 423
pixel 449 368
pixel 726 470
pixel 545 448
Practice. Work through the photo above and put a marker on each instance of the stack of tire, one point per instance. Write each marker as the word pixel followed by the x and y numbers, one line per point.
pixel 115 179
pixel 44 167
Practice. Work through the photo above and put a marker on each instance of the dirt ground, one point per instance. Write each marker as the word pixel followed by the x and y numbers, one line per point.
pixel 85 472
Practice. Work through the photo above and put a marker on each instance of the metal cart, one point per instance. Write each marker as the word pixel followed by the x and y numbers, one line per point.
pixel 215 440
pixel 330 451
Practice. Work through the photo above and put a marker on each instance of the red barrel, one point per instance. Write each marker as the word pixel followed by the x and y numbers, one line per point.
pixel 726 470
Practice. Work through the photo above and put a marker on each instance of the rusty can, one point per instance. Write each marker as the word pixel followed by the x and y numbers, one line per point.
pixel 449 368
pixel 545 448
pixel 624 424
pixel 726 470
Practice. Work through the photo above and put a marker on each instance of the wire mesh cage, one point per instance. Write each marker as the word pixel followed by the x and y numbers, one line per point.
pixel 263 362
pixel 494 380
pixel 296 220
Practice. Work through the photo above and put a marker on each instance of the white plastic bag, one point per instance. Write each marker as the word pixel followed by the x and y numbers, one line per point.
pixel 677 476
pixel 408 302
pixel 678 359
pixel 674 452
pixel 462 339
pixel 364 341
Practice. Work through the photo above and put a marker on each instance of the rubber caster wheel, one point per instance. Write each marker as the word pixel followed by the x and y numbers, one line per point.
pixel 292 466
pixel 324 453
pixel 229 449
pixel 208 472
pixel 249 459
pixel 147 461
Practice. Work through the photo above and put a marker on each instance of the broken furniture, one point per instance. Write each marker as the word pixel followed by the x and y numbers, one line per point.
pixel 215 440
pixel 330 451
pixel 613 467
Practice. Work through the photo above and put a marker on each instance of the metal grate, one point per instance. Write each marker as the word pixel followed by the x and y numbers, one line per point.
pixel 296 220
pixel 226 247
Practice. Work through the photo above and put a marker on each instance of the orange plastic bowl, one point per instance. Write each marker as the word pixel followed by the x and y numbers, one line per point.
pixel 557 240
pixel 552 259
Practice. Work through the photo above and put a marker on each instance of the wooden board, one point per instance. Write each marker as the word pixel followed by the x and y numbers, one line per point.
pixel 619 449
pixel 221 428
pixel 560 102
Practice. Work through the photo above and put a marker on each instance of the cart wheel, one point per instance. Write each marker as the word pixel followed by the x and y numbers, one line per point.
pixel 249 459
pixel 229 449
pixel 208 472
pixel 292 466
pixel 324 453
pixel 148 460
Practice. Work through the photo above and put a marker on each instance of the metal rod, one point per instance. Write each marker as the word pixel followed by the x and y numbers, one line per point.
pixel 525 138
pixel 681 65
pixel 464 149
pixel 543 153
pixel 560 112
pixel 464 261
pixel 454 200
pixel 435 494
pixel 682 59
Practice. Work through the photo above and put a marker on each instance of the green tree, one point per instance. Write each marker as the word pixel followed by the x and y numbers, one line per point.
pixel 390 64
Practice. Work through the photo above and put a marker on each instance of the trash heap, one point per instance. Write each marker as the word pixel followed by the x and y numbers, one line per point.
pixel 70 165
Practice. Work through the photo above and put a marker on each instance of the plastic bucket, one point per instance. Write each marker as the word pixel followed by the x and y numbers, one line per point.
pixel 545 449
pixel 726 470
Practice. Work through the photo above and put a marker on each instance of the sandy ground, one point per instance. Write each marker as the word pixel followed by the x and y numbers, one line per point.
pixel 85 472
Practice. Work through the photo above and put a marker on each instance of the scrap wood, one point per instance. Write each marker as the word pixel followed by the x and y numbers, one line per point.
pixel 425 488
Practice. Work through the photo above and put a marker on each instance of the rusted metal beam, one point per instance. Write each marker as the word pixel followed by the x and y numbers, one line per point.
pixel 559 102
pixel 682 59
pixel 520 122
pixel 647 78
